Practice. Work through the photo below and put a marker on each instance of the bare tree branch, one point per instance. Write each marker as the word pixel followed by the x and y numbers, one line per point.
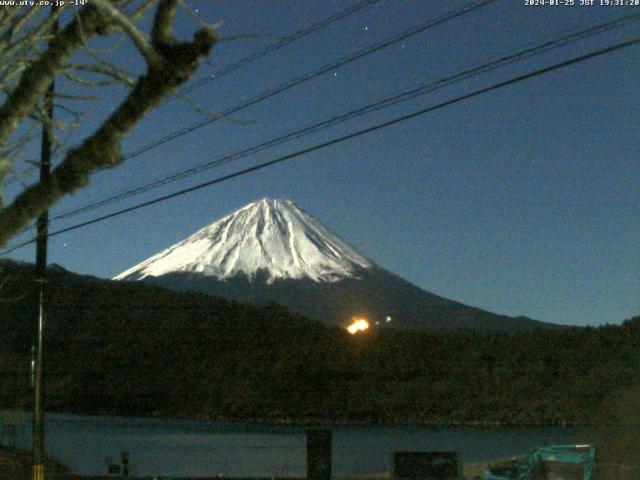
pixel 139 39
pixel 37 77
pixel 86 82
pixel 83 98
pixel 118 75
pixel 162 32
pixel 11 50
pixel 176 62
pixel 142 9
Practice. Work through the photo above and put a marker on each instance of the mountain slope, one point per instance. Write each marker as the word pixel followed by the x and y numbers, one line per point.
pixel 378 295
pixel 272 251
pixel 272 236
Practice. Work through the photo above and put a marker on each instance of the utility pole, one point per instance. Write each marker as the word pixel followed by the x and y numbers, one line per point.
pixel 40 277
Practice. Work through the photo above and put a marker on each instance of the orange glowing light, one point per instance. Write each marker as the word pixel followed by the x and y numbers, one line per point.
pixel 358 325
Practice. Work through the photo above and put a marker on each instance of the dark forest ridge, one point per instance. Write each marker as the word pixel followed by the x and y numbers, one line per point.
pixel 128 348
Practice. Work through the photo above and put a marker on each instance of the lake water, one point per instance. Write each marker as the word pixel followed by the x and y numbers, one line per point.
pixel 200 448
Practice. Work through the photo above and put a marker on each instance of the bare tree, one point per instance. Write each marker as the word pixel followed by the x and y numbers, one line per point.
pixel 32 55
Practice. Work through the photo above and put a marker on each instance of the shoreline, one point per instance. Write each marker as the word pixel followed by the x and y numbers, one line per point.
pixel 312 422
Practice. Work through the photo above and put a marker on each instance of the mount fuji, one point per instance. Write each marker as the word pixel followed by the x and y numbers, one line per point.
pixel 273 251
pixel 270 237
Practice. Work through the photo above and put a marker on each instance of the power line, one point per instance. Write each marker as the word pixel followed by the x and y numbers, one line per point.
pixel 297 81
pixel 343 138
pixel 305 78
pixel 314 27
pixel 273 47
pixel 309 76
pixel 384 103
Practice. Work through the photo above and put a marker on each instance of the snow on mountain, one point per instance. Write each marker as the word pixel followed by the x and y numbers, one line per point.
pixel 272 236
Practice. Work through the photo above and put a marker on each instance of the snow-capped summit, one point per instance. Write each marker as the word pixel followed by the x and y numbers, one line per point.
pixel 268 236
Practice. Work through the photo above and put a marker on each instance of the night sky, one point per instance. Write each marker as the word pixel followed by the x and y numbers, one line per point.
pixel 523 201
